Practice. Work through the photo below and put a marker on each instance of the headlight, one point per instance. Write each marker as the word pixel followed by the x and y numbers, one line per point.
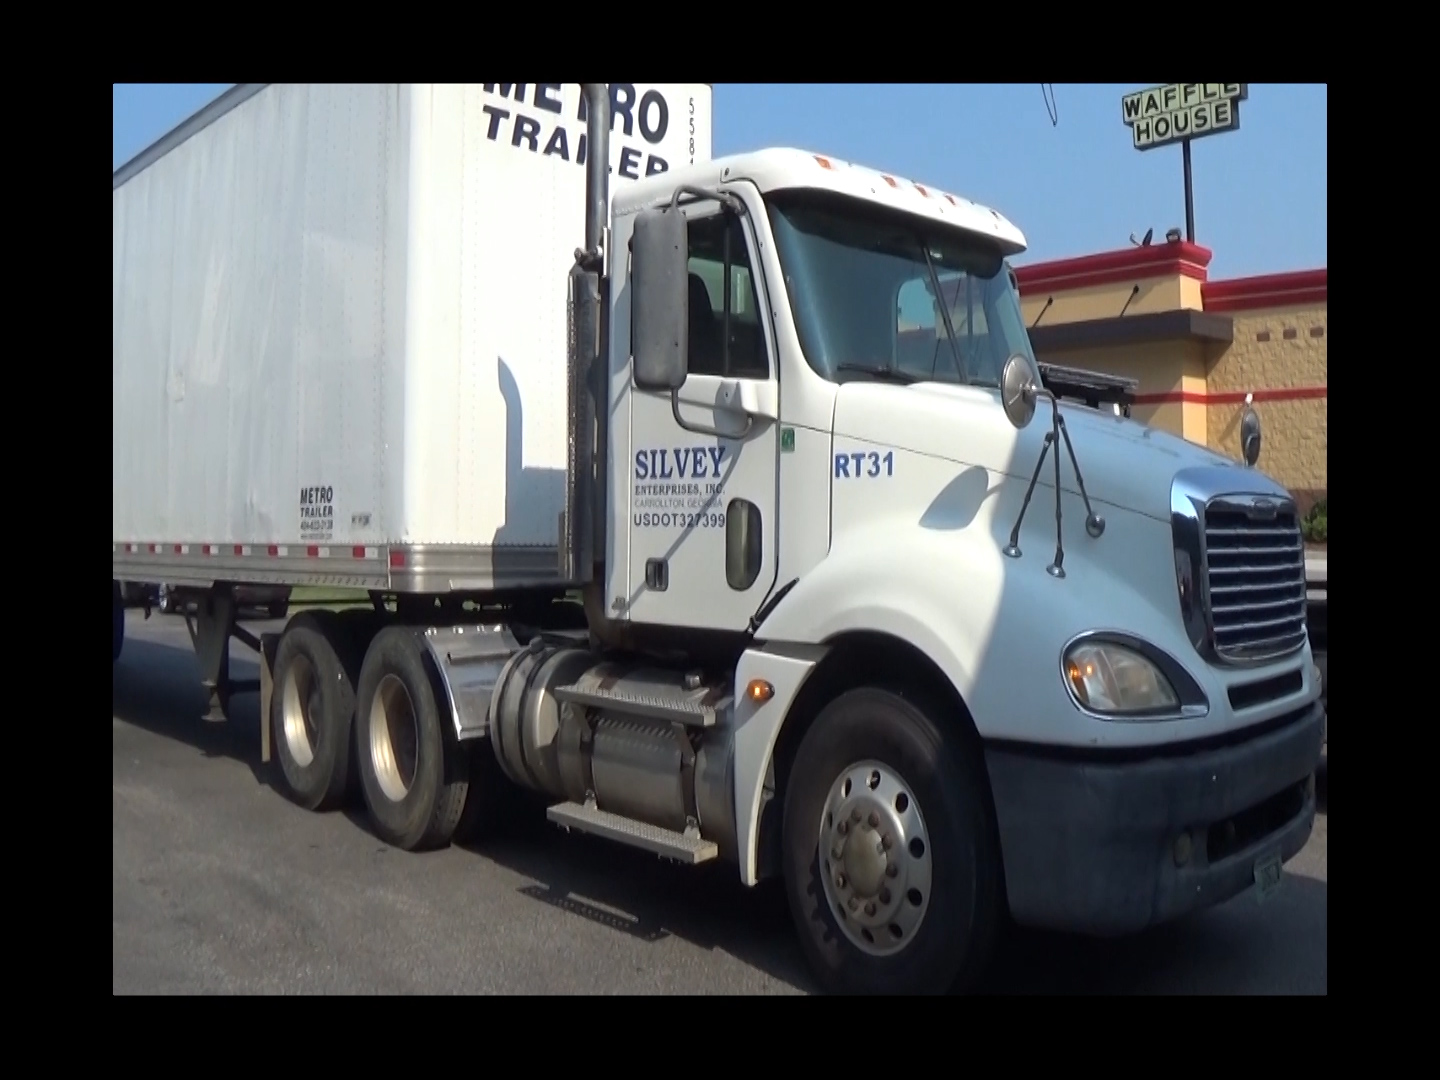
pixel 1115 681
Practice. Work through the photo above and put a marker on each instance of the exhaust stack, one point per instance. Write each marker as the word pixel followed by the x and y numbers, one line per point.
pixel 585 381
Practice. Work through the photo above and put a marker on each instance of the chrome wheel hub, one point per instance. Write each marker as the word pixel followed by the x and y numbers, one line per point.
pixel 875 858
pixel 394 738
pixel 299 708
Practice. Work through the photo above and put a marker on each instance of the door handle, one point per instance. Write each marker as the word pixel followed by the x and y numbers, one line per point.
pixel 701 429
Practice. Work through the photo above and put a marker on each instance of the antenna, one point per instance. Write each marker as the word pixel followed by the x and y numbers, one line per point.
pixel 1047 90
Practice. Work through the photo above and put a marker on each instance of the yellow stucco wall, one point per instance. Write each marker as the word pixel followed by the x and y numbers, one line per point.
pixel 1283 349
pixel 1109 301
pixel 1166 367
pixel 1196 390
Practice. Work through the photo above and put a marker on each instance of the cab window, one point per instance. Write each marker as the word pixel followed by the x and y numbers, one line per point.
pixel 726 338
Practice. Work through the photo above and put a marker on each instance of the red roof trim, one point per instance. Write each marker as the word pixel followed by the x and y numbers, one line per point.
pixel 1180 259
pixel 1267 291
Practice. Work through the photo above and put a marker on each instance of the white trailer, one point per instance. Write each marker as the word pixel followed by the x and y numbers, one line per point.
pixel 773 421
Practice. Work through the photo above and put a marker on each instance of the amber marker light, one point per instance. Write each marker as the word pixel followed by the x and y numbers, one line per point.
pixel 759 691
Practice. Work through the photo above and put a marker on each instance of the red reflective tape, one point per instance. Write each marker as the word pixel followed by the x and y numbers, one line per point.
pixel 397 560
pixel 154 549
pixel 1232 397
pixel 312 551
pixel 177 549
pixel 273 549
pixel 358 552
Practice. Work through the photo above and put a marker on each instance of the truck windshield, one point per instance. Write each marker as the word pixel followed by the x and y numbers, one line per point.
pixel 863 291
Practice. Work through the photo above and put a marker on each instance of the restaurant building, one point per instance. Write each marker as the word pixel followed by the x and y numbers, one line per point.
pixel 1196 347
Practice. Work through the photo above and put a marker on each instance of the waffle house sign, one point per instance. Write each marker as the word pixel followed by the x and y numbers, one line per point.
pixel 1179 112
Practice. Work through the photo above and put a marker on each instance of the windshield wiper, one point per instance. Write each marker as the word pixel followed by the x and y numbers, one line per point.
pixel 879 372
pixel 960 370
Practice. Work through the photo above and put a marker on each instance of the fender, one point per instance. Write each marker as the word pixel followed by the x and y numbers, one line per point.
pixel 996 627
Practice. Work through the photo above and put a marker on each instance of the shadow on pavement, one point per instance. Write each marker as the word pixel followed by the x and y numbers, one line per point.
pixel 1229 950
pixel 646 898
pixel 1239 948
pixel 155 687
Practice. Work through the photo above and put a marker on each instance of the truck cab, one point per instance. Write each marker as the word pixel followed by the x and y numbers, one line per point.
pixel 837 457
pixel 820 443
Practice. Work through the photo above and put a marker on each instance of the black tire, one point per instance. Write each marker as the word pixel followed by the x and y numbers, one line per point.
pixel 414 775
pixel 491 800
pixel 118 626
pixel 962 917
pixel 315 692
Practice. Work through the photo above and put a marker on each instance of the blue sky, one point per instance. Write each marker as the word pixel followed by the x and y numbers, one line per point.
pixel 1074 188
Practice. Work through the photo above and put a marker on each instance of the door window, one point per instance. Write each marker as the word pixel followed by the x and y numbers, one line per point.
pixel 725 334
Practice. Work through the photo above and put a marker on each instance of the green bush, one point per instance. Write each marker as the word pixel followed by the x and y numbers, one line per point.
pixel 1313 526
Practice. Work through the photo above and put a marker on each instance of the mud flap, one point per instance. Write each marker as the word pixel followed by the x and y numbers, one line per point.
pixel 269 646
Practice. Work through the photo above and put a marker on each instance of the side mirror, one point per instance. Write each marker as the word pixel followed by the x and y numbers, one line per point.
pixel 1250 435
pixel 660 308
pixel 1018 390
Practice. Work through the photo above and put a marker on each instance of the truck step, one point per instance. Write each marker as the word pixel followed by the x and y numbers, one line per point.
pixel 690 850
pixel 650 699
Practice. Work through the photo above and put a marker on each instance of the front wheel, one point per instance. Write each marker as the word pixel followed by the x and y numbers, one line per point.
pixel 891 859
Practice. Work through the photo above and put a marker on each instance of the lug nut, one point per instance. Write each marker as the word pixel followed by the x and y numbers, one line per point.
pixel 884 896
pixel 854 904
pixel 837 851
pixel 893 870
pixel 874 820
pixel 843 828
pixel 886 843
pixel 839 881
pixel 855 816
pixel 870 908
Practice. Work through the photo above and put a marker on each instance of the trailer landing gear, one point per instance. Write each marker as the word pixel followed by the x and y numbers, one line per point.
pixel 211 626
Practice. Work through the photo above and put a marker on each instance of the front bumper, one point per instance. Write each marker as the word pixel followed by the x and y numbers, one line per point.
pixel 1095 846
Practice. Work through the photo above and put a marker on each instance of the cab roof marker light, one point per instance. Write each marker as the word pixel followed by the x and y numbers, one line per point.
pixel 825 163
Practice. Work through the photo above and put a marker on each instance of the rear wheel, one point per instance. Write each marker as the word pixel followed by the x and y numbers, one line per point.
pixel 891 862
pixel 312 710
pixel 415 777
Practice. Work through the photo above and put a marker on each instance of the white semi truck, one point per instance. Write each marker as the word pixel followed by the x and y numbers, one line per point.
pixel 778 422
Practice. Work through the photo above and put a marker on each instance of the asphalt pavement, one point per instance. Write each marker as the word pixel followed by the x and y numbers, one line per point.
pixel 220 885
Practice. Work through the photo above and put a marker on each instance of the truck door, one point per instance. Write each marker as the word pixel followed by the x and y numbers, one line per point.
pixel 703 497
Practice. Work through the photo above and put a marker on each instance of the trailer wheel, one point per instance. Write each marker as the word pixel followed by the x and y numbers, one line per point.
pixel 415 777
pixel 312 710
pixel 890 853
pixel 118 627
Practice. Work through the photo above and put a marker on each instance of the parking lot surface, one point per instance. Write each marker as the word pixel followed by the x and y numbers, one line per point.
pixel 220 885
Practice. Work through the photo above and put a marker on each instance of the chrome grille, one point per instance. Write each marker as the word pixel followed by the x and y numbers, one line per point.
pixel 1255 570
